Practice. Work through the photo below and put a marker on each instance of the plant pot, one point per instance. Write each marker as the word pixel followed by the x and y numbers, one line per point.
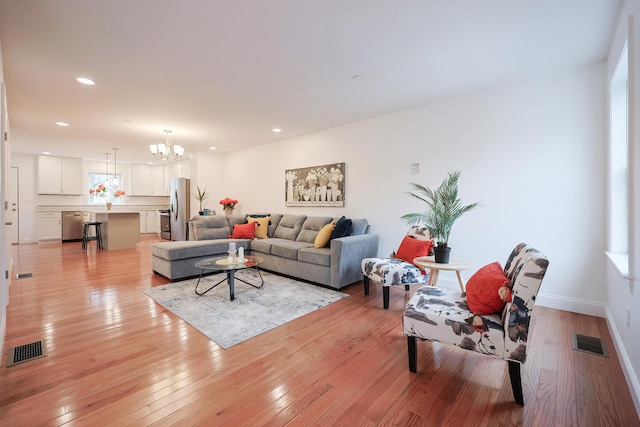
pixel 441 254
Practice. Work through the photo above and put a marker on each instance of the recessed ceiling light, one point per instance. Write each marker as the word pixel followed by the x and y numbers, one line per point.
pixel 62 124
pixel 46 152
pixel 212 148
pixel 276 130
pixel 85 81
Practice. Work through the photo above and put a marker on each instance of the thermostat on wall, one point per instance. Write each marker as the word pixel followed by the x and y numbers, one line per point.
pixel 415 168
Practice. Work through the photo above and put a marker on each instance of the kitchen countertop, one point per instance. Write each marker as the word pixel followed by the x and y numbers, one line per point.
pixel 99 208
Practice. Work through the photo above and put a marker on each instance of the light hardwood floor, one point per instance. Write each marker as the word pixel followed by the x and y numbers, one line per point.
pixel 117 358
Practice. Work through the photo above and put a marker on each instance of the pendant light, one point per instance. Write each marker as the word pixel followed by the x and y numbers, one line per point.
pixel 115 182
pixel 167 151
pixel 106 171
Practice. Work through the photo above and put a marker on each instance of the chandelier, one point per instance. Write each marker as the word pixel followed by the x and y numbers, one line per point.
pixel 167 150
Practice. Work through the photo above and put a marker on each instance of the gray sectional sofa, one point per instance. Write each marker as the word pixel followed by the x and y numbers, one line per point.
pixel 289 248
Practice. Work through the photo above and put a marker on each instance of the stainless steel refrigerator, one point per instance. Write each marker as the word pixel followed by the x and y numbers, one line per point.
pixel 179 207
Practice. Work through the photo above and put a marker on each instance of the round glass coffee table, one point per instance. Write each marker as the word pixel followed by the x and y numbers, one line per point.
pixel 222 264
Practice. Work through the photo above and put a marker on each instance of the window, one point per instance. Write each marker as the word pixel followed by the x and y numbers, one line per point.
pixel 96 179
pixel 619 166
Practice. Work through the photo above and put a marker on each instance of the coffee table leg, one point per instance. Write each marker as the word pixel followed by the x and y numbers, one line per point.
pixel 204 292
pixel 432 276
pixel 230 276
pixel 460 280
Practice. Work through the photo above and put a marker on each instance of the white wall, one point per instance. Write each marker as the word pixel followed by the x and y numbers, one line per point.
pixel 620 293
pixel 532 152
pixel 206 171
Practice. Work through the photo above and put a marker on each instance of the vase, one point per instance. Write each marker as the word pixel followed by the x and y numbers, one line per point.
pixel 109 204
pixel 323 193
pixel 441 254
pixel 228 211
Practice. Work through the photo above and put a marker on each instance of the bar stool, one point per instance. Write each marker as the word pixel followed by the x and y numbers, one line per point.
pixel 98 235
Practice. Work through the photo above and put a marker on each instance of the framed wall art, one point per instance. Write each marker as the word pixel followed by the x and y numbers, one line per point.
pixel 315 186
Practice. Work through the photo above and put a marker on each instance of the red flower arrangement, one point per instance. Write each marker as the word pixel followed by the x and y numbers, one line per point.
pixel 228 204
pixel 102 191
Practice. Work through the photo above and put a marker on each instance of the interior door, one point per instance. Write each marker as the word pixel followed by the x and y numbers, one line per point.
pixel 13 214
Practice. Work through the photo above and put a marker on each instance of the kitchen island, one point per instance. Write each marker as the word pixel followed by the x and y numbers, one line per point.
pixel 120 229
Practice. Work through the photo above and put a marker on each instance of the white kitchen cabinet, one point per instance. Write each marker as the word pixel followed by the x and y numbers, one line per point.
pixel 49 226
pixel 157 183
pixel 59 175
pixel 147 180
pixel 149 222
pixel 152 224
pixel 140 180
pixel 173 170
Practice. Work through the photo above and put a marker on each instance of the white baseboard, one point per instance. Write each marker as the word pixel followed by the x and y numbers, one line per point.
pixel 574 305
pixel 627 367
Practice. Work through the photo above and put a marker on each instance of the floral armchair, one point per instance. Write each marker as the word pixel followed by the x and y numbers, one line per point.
pixel 398 269
pixel 442 315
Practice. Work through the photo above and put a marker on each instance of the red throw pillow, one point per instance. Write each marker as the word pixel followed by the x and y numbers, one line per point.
pixel 411 248
pixel 244 231
pixel 482 289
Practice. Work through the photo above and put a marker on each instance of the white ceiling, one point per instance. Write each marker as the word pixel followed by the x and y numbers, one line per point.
pixel 224 73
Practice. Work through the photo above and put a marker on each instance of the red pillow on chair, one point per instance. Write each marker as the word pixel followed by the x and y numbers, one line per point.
pixel 482 289
pixel 411 248
pixel 244 231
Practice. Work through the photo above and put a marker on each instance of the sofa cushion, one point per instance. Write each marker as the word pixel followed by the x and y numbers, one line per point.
pixel 235 219
pixel 211 227
pixel 263 225
pixel 244 231
pixel 261 245
pixel 324 236
pixel 311 227
pixel 289 226
pixel 189 249
pixel 319 256
pixel 273 224
pixel 342 228
pixel 287 249
pixel 358 226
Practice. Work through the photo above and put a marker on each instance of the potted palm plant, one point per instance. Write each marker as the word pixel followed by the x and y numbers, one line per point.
pixel 443 208
pixel 201 195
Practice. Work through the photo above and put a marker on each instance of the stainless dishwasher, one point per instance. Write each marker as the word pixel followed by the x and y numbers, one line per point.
pixel 72 226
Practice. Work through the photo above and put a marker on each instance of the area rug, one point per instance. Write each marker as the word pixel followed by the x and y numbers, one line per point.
pixel 253 311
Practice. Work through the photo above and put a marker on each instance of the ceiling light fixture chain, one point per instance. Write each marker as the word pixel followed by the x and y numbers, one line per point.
pixel 115 181
pixel 106 170
pixel 167 150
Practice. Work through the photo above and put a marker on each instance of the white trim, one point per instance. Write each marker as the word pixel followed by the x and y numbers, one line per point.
pixel 621 263
pixel 625 363
pixel 574 305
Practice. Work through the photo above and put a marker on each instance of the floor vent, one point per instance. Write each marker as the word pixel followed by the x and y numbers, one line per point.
pixel 26 352
pixel 23 276
pixel 590 345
